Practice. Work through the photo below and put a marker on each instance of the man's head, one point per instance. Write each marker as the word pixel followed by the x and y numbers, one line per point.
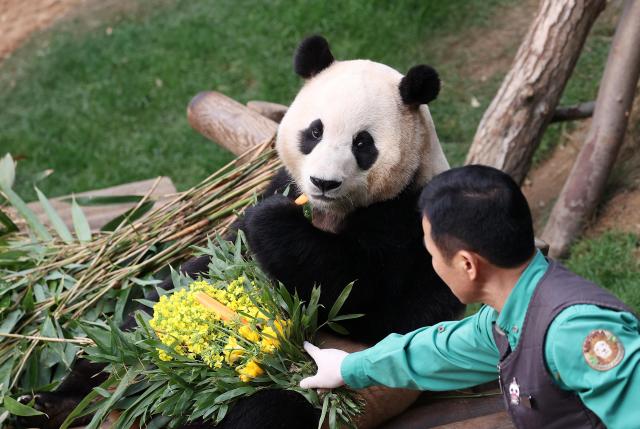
pixel 475 216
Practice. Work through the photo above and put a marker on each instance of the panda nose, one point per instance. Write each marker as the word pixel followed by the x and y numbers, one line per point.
pixel 325 185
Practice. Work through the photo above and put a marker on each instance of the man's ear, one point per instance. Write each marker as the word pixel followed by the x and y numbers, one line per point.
pixel 421 85
pixel 312 56
pixel 468 263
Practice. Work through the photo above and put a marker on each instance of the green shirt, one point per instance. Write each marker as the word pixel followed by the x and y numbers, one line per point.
pixel 460 354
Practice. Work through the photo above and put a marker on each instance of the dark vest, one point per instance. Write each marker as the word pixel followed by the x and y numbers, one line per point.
pixel 535 401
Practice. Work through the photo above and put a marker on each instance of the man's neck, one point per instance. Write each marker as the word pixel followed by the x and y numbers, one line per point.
pixel 500 282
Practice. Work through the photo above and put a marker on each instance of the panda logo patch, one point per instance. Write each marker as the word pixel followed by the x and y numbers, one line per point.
pixel 514 392
pixel 602 350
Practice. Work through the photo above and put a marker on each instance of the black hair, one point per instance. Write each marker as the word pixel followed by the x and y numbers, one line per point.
pixel 481 209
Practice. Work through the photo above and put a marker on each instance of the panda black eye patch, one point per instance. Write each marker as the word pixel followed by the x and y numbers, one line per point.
pixel 311 136
pixel 364 149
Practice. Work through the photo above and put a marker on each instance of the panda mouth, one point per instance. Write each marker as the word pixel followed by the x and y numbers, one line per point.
pixel 323 197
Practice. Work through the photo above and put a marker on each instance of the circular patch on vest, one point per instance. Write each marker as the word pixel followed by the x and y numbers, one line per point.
pixel 602 350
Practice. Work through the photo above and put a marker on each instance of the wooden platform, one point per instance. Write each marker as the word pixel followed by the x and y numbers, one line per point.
pixel 431 410
pixel 100 215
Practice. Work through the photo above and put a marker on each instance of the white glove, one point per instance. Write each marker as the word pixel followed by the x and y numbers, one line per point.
pixel 328 361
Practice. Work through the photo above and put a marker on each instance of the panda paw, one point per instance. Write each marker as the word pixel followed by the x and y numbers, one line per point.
pixel 55 406
pixel 274 221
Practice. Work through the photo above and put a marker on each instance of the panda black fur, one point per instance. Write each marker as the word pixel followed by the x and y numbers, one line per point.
pixel 380 247
pixel 379 146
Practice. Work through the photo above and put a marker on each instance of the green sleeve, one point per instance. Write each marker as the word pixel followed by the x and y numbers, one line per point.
pixel 612 394
pixel 449 355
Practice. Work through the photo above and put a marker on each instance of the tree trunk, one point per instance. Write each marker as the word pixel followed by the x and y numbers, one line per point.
pixel 586 182
pixel 514 123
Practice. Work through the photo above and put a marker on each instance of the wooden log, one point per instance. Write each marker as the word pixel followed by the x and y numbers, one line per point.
pixel 447 409
pixel 273 111
pixel 229 123
pixel 500 420
pixel 514 123
pixel 576 111
pixel 585 185
pixel 100 215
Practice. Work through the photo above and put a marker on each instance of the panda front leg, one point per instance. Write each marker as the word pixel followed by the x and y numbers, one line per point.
pixel 291 250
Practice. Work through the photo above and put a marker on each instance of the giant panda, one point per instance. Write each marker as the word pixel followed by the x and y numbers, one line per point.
pixel 359 141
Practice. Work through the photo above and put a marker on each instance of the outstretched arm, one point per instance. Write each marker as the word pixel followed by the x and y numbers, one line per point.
pixel 449 355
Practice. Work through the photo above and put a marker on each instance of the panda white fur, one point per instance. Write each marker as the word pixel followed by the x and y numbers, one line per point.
pixel 349 130
pixel 358 140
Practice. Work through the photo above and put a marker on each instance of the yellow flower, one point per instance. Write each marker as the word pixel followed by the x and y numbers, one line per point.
pixel 249 333
pixel 232 351
pixel 183 324
pixel 250 371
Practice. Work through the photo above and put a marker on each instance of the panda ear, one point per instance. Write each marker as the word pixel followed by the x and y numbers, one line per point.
pixel 421 85
pixel 312 56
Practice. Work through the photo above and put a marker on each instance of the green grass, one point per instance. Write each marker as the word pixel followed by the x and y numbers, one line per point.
pixel 90 105
pixel 612 262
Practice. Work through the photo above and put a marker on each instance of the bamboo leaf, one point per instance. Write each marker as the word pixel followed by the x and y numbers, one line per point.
pixel 335 309
pixel 9 226
pixel 99 200
pixel 7 171
pixel 80 223
pixel 18 409
pixel 10 322
pixel 54 217
pixel 28 215
pixel 128 217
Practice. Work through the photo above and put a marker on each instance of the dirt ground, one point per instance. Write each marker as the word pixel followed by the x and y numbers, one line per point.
pixel 20 18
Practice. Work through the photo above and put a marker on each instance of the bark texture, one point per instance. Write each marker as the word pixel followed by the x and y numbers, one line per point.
pixel 586 182
pixel 229 123
pixel 514 123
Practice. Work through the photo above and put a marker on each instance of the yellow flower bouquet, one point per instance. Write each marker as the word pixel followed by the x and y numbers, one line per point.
pixel 210 342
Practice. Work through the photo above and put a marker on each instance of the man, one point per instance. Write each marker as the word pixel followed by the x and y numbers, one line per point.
pixel 566 353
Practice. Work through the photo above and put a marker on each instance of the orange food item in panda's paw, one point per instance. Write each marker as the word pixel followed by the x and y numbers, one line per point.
pixel 302 200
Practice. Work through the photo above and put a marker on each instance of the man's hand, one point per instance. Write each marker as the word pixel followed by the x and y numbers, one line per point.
pixel 328 361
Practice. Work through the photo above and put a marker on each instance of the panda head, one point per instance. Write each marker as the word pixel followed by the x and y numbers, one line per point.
pixel 358 132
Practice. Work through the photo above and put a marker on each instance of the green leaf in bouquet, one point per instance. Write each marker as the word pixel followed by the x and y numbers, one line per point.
pixel 34 223
pixel 127 378
pixel 347 317
pixel 56 221
pixel 7 223
pixel 88 400
pixel 325 408
pixel 337 306
pixel 80 222
pixel 333 422
pixel 222 412
pixel 128 217
pixel 18 409
pixel 337 328
pixel 235 393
